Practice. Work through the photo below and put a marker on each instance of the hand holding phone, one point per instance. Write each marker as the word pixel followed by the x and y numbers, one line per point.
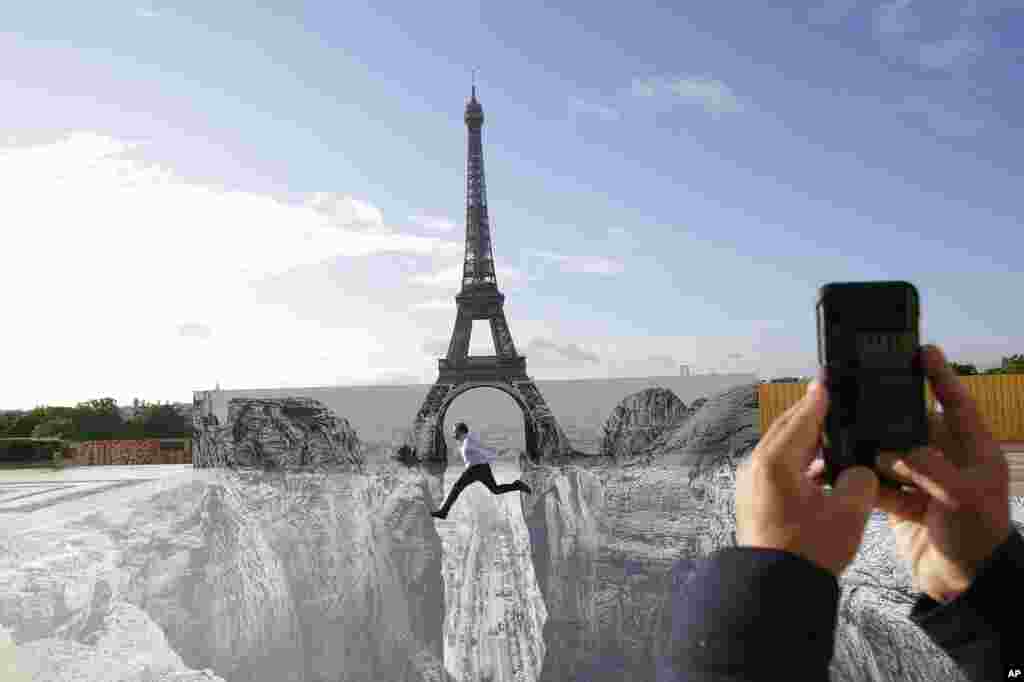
pixel 868 348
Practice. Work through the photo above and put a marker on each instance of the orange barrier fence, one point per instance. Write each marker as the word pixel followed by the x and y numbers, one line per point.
pixel 1000 398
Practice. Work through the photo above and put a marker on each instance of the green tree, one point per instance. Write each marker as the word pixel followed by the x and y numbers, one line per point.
pixel 24 423
pixel 54 427
pixel 964 369
pixel 133 429
pixel 98 420
pixel 164 421
pixel 7 419
pixel 1013 364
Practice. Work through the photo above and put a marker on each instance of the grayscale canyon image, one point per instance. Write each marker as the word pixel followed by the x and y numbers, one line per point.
pixel 292 199
pixel 311 555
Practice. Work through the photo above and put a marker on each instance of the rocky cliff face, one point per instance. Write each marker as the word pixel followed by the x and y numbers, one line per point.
pixel 310 575
pixel 272 433
pixel 259 576
pixel 607 544
pixel 610 544
pixel 494 610
pixel 638 420
pixel 874 639
pixel 119 642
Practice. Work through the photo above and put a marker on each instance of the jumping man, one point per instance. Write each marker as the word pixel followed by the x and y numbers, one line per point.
pixel 478 468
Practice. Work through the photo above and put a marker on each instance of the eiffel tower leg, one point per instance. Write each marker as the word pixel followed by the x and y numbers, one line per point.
pixel 549 442
pixel 531 438
pixel 458 348
pixel 503 345
pixel 428 441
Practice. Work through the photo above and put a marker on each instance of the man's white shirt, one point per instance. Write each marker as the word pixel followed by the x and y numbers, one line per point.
pixel 474 452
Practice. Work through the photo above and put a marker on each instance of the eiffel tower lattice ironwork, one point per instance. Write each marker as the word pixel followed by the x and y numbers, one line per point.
pixel 479 299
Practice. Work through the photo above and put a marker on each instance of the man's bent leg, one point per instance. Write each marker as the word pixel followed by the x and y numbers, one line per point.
pixel 487 478
pixel 468 476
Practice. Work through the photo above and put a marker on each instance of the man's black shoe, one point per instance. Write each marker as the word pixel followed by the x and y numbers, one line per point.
pixel 525 488
pixel 439 515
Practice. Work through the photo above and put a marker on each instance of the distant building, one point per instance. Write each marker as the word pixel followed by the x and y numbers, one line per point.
pixel 684 370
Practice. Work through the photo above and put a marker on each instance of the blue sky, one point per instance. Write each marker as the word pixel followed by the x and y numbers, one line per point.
pixel 274 197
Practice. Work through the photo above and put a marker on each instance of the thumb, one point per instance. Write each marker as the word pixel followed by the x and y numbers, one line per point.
pixel 857 490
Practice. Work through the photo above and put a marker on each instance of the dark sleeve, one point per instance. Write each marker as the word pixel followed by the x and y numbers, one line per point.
pixel 751 613
pixel 980 629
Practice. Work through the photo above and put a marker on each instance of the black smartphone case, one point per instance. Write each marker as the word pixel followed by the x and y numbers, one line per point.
pixel 887 304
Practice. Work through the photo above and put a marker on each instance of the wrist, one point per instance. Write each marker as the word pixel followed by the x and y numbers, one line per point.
pixel 968 572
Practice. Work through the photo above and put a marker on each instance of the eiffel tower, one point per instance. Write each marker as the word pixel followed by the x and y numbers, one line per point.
pixel 480 299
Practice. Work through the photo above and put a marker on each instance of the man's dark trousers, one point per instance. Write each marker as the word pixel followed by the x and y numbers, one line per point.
pixel 478 472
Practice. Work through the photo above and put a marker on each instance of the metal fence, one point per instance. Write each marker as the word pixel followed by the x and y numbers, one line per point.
pixel 1000 398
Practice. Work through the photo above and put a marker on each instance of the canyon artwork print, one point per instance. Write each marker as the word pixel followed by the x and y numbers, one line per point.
pixel 298 546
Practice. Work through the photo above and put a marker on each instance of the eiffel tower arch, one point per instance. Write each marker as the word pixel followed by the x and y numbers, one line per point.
pixel 545 439
pixel 479 299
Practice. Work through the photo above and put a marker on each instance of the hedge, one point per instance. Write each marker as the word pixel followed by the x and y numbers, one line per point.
pixel 31 450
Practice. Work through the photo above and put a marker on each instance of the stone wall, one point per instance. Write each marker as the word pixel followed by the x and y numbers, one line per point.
pixel 141 451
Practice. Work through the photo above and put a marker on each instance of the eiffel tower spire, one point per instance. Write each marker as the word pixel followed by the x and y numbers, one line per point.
pixel 478 266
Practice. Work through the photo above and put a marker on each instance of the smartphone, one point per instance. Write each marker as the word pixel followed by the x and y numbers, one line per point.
pixel 869 349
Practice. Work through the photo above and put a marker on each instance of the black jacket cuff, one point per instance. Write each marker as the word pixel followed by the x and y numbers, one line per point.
pixel 988 604
pixel 751 608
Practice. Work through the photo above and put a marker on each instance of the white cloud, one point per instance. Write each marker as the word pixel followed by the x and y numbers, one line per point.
pixel 900 30
pixel 579 106
pixel 436 346
pixel 598 265
pixel 543 352
pixel 195 329
pixel 450 276
pixel 133 282
pixel 645 87
pixel 147 13
pixel 716 97
pixel 347 212
pixel 435 304
pixel 129 265
pixel 433 223
pixel 556 350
